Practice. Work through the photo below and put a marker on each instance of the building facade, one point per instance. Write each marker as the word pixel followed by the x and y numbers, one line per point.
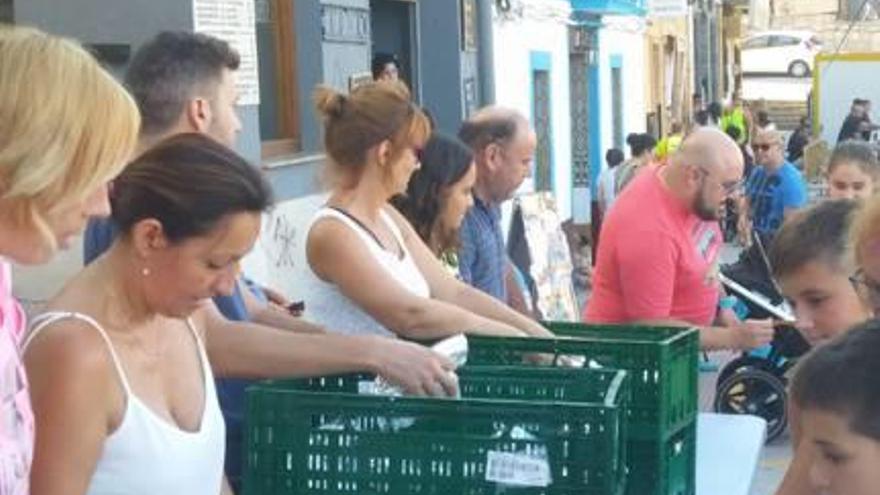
pixel 289 47
pixel 532 76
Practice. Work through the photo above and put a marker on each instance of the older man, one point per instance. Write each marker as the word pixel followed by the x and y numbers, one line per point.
pixel 657 258
pixel 503 145
pixel 775 188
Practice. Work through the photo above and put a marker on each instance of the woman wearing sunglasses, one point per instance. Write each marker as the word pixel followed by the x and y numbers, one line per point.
pixel 368 270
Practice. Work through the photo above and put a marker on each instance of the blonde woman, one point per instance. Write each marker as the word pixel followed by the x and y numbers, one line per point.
pixel 66 128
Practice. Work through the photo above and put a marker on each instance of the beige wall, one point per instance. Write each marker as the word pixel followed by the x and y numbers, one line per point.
pixel 821 16
pixel 669 69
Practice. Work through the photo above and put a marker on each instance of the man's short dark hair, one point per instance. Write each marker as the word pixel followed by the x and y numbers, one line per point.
pixel 841 378
pixel 380 60
pixel 167 70
pixel 818 233
pixel 613 157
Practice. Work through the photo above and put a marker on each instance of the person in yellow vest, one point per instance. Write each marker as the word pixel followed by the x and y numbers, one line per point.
pixel 670 143
pixel 738 116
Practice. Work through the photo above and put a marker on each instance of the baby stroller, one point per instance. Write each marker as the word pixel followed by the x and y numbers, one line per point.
pixel 755 383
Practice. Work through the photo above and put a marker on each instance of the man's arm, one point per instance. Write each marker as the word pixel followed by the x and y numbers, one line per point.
pixel 647 282
pixel 99 235
pixel 467 253
pixel 742 336
pixel 267 315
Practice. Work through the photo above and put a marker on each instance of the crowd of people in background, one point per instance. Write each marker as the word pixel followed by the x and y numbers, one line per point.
pixel 823 258
pixel 112 386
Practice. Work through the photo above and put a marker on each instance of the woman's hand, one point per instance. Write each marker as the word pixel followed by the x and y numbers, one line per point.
pixel 415 368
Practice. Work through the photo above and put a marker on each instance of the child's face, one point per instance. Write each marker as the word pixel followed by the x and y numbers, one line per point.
pixel 846 462
pixel 848 181
pixel 824 301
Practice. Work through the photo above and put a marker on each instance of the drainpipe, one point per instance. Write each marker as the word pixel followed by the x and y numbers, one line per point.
pixel 486 59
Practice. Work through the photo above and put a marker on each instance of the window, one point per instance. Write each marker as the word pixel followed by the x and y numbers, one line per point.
pixel 6 12
pixel 757 42
pixel 857 10
pixel 617 107
pixel 279 106
pixel 541 120
pixel 781 40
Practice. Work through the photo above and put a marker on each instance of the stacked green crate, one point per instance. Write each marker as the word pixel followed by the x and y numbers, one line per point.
pixel 515 430
pixel 662 363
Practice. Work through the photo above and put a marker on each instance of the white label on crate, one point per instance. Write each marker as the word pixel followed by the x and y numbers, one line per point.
pixel 367 387
pixel 510 468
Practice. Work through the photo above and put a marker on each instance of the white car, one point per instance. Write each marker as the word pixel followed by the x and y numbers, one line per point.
pixel 786 52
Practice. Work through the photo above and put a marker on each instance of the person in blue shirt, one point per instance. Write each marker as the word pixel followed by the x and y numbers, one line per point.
pixel 774 189
pixel 504 145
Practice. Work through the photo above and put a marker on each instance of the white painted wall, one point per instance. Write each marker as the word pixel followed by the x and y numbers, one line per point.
pixel 537 25
pixel 624 36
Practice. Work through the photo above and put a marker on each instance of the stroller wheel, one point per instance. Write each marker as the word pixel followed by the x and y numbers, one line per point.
pixel 743 362
pixel 756 392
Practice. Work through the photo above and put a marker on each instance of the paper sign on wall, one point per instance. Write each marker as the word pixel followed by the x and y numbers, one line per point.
pixel 233 21
pixel 667 8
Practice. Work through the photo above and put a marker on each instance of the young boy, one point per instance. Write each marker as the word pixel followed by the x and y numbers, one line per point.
pixel 812 263
pixel 836 394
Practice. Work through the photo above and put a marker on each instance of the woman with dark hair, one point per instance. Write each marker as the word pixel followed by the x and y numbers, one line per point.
pixel 122 363
pixel 368 269
pixel 853 171
pixel 439 195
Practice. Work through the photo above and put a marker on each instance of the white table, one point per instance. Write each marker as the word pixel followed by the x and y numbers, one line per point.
pixel 728 451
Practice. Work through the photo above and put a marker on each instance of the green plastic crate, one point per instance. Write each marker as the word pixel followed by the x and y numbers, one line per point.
pixel 664 468
pixel 319 436
pixel 662 364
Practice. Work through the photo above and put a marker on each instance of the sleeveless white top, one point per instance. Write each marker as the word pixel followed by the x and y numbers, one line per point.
pixel 147 455
pixel 327 306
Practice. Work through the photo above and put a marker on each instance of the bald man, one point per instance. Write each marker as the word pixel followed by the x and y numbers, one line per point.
pixel 504 145
pixel 657 258
pixel 774 189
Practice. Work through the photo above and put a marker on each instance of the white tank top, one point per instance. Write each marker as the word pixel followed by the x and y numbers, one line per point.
pixel 147 455
pixel 327 306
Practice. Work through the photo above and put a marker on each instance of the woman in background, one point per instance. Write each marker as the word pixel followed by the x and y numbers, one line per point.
pixel 853 171
pixel 368 270
pixel 439 195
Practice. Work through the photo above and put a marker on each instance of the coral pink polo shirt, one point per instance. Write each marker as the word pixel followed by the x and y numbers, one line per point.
pixel 656 259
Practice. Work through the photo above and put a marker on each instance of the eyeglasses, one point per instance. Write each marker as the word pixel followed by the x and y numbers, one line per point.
pixel 762 147
pixel 730 187
pixel 867 289
pixel 418 153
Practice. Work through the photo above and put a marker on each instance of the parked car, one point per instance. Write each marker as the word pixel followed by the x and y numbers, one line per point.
pixel 785 52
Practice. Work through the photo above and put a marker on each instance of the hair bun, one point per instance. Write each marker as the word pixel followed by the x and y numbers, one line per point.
pixel 329 102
